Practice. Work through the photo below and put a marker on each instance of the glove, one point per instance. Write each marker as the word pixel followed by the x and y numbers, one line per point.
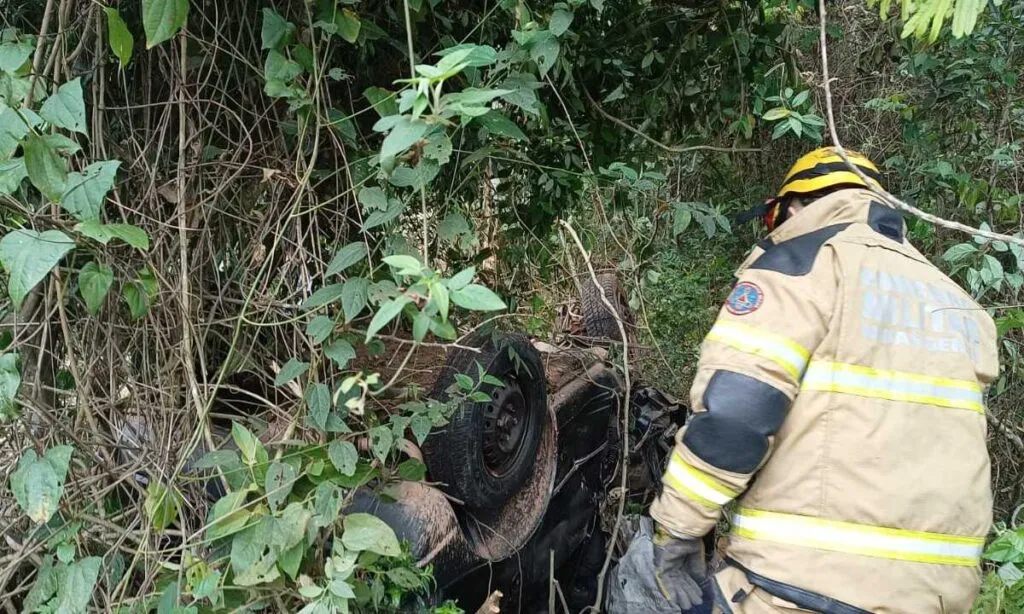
pixel 679 568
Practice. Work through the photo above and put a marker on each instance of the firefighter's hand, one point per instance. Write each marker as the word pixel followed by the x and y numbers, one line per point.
pixel 679 568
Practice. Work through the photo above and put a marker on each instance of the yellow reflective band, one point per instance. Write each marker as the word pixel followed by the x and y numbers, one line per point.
pixel 788 354
pixel 853 538
pixel 697 485
pixel 894 386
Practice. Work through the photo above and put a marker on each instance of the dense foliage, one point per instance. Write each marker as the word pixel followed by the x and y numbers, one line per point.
pixel 230 222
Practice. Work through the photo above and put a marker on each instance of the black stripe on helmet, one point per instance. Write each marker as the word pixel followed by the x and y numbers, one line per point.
pixel 832 167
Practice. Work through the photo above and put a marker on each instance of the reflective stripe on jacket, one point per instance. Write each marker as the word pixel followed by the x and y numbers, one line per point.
pixel 848 374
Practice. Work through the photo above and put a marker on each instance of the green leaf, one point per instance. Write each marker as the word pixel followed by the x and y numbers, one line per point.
pixel 10 382
pixel 348 25
pixel 383 101
pixel 228 515
pixel 477 298
pixel 420 426
pixel 249 446
pixel 477 56
pixel 353 297
pixel 12 173
pixel 776 114
pixel 343 455
pixel 406 265
pixel 248 545
pixel 545 52
pixel 464 381
pixel 76 588
pixel 14 53
pixel 94 281
pixel 1003 549
pixel 365 532
pixel 135 296
pixel 47 170
pixel 373 198
pixel 278 483
pixel 420 326
pixel 45 587
pixel 381 439
pixel 378 218
pixel 276 30
pixel 560 22
pixel 461 279
pixel 227 459
pixel 12 129
pixel 279 68
pixel 28 256
pixel 412 470
pixel 385 314
pixel 104 233
pixel 38 483
pixel 318 403
pixel 162 505
pixel 346 257
pixel 161 19
pixel 291 370
pixel 86 191
pixel 405 578
pixel 403 135
pixel 958 252
pixel 290 560
pixel 327 503
pixel 121 41
pixel 323 296
pixel 66 108
pixel 497 124
pixel 319 329
pixel 341 352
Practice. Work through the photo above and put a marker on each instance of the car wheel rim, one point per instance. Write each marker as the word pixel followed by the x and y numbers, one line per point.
pixel 506 421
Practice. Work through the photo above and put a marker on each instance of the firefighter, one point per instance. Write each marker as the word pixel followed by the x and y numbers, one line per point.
pixel 847 374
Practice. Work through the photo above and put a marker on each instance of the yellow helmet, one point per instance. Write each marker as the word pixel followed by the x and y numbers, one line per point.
pixel 824 168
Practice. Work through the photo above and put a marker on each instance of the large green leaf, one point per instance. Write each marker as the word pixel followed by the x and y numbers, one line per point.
pixel 323 296
pixel 291 370
pixel 278 483
pixel 402 136
pixel 161 19
pixel 94 281
pixel 346 257
pixel 341 352
pixel 560 22
pixel 122 43
pixel 14 53
pixel 379 218
pixel 343 455
pixel 104 233
pixel 12 129
pixel 276 30
pixel 28 256
pixel 38 483
pixel 162 505
pixel 353 297
pixel 319 329
pixel 47 170
pixel 385 314
pixel 367 532
pixel 66 108
pixel 79 580
pixel 318 403
pixel 499 125
pixel 12 172
pixel 86 191
pixel 477 298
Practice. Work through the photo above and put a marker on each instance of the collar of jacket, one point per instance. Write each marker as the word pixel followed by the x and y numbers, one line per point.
pixel 842 207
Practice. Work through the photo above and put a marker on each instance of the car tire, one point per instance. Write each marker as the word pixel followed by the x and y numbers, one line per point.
pixel 598 321
pixel 487 451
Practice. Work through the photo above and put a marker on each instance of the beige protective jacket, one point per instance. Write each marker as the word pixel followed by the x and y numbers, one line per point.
pixel 847 374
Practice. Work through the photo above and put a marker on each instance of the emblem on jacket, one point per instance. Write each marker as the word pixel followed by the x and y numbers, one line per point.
pixel 746 297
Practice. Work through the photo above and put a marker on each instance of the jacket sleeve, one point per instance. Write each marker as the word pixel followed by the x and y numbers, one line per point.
pixel 749 372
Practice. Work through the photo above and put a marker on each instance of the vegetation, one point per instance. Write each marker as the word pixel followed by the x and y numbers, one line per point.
pixel 229 222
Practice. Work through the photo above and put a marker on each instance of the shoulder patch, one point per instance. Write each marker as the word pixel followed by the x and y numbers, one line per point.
pixel 746 297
